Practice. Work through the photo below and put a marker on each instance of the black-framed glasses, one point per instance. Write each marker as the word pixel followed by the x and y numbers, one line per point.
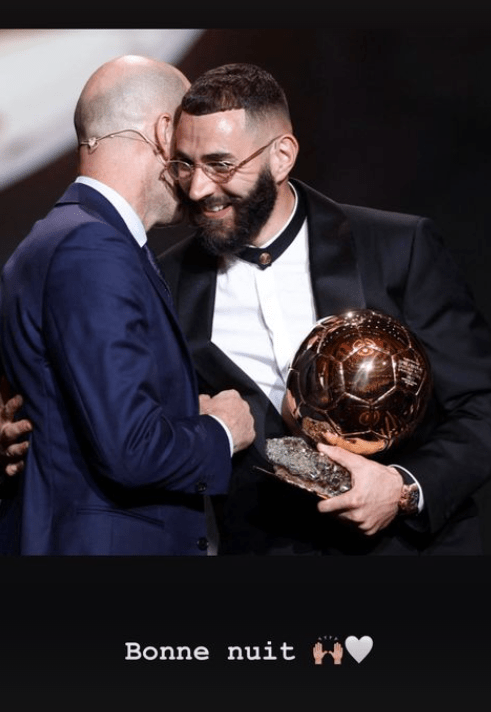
pixel 217 171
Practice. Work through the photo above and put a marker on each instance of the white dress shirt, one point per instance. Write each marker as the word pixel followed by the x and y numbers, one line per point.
pixel 272 309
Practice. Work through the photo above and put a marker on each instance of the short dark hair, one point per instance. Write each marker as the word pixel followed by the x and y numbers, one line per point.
pixel 236 86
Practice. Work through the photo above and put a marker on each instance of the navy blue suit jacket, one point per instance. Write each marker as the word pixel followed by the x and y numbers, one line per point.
pixel 119 458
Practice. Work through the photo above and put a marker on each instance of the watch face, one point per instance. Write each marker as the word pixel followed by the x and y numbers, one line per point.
pixel 408 502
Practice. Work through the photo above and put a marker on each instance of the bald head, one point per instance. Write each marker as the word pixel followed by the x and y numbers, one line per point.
pixel 128 92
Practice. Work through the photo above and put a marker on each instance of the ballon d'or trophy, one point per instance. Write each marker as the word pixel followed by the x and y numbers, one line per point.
pixel 360 380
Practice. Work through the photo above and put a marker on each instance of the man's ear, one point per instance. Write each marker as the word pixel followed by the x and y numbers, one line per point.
pixel 164 133
pixel 283 156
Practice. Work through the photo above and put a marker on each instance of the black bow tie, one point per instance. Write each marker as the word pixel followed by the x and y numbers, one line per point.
pixel 265 256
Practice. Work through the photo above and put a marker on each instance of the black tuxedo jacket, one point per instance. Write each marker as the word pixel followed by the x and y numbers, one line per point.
pixel 360 258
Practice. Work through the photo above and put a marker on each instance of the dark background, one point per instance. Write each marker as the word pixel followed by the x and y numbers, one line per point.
pixel 391 114
pixel 395 118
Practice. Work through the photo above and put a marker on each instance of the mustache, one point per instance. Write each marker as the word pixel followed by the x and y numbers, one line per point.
pixel 196 206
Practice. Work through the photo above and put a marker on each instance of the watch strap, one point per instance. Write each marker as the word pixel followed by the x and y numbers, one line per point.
pixel 409 499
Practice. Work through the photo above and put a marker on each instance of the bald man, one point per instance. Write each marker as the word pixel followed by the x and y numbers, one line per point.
pixel 121 461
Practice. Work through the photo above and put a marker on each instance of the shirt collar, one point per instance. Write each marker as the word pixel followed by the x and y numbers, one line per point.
pixel 127 213
pixel 269 242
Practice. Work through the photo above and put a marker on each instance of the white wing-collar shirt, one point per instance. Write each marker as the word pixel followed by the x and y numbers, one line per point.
pixel 261 316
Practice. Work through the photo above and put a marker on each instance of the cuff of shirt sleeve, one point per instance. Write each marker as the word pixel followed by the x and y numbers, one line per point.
pixel 229 434
pixel 410 474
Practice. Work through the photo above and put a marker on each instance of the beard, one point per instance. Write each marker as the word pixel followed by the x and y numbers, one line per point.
pixel 251 214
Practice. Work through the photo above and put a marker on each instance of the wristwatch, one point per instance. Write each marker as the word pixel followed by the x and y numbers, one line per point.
pixel 409 499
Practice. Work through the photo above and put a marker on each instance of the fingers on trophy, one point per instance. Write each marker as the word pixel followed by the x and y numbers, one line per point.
pixel 360 380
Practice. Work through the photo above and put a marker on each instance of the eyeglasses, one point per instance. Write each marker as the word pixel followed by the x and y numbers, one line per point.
pixel 217 171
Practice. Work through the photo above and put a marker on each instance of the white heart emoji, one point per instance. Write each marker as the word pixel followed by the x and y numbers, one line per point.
pixel 358 648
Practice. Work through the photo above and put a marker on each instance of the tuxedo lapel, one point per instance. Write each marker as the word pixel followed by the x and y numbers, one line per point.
pixel 336 286
pixel 194 295
pixel 336 282
pixel 195 300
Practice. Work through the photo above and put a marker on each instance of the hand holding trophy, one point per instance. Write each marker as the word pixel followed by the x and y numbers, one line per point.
pixel 360 380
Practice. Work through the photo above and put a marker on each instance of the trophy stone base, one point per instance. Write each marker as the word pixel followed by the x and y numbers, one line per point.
pixel 299 464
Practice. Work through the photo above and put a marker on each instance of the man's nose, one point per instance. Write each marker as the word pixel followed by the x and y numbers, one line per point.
pixel 200 185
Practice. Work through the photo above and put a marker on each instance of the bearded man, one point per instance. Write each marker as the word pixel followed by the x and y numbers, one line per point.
pixel 270 257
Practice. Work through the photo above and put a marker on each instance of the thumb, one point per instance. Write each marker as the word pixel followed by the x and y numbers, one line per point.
pixel 204 400
pixel 340 455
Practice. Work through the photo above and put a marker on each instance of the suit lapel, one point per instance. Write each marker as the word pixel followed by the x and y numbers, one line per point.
pixel 98 206
pixel 336 287
pixel 195 298
pixel 194 294
pixel 95 204
pixel 157 282
pixel 336 281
